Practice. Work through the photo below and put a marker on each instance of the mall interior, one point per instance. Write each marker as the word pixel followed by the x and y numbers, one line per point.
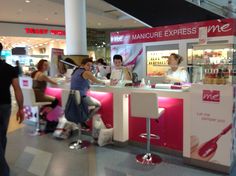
pixel 157 122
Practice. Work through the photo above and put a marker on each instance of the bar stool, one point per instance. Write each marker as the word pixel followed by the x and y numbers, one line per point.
pixel 29 100
pixel 144 105
pixel 79 143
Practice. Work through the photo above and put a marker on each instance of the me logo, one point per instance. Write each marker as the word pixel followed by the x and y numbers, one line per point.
pixel 116 38
pixel 25 83
pixel 211 95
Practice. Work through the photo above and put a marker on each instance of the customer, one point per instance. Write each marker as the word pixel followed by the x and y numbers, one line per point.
pixel 80 80
pixel 19 68
pixel 119 72
pixel 8 77
pixel 40 81
pixel 103 70
pixel 176 73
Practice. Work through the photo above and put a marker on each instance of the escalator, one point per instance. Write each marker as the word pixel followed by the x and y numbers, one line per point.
pixel 221 7
pixel 165 12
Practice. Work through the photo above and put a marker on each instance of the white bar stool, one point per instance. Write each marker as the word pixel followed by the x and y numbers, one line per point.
pixel 144 105
pixel 29 100
pixel 79 144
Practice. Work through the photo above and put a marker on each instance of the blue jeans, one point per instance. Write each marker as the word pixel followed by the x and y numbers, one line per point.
pixel 5 112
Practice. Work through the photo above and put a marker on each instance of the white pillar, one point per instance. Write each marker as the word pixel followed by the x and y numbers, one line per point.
pixel 75 21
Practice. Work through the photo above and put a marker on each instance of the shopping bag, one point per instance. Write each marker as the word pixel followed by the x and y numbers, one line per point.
pixel 105 136
pixel 98 124
pixel 55 114
pixel 64 129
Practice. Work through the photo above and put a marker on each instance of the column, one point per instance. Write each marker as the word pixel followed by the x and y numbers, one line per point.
pixel 75 22
pixel 231 9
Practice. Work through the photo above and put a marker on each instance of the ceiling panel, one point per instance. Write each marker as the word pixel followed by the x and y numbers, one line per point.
pixel 164 12
pixel 99 13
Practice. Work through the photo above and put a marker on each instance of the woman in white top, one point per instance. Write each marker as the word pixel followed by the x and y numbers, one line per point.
pixel 119 72
pixel 176 73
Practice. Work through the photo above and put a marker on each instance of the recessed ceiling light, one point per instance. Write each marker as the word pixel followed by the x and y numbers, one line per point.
pixel 46 19
pixel 99 24
pixel 27 1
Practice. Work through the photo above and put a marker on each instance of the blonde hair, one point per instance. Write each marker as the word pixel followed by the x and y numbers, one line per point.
pixel 177 57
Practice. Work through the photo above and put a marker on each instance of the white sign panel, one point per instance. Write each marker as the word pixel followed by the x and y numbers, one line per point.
pixel 211 123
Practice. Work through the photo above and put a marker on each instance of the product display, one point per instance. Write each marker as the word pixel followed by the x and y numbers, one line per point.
pixel 211 64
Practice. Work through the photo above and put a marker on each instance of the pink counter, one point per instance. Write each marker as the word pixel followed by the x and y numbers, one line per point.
pixel 115 108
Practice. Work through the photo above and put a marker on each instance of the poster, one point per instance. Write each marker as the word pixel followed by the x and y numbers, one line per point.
pixel 211 123
pixel 56 68
pixel 132 57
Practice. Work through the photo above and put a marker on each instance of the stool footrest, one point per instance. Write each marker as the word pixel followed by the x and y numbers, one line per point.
pixel 148 159
pixel 152 136
pixel 79 145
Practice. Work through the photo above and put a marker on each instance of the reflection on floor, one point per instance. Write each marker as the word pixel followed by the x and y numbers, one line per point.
pixel 46 156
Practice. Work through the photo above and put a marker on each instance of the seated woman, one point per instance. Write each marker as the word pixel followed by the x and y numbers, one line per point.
pixel 40 81
pixel 176 73
pixel 119 72
pixel 103 70
pixel 80 80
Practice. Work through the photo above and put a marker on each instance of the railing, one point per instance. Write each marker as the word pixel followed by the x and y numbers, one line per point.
pixel 220 9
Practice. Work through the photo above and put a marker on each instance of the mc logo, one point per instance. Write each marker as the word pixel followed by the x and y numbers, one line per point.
pixel 211 95
pixel 25 83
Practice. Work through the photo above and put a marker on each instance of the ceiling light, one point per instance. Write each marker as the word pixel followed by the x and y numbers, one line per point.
pixel 99 24
pixel 46 19
pixel 27 1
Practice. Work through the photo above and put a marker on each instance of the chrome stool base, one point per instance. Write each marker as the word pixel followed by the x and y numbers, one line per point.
pixel 79 145
pixel 148 159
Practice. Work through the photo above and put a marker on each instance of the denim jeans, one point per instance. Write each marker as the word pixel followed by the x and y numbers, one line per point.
pixel 5 112
pixel 90 101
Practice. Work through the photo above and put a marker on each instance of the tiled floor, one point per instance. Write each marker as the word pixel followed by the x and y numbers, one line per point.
pixel 46 156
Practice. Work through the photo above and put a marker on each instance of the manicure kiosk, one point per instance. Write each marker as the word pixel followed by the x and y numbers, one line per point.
pixel 197 122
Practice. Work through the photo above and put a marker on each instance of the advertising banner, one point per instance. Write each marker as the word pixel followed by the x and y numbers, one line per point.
pixel 56 68
pixel 215 28
pixel 132 57
pixel 211 123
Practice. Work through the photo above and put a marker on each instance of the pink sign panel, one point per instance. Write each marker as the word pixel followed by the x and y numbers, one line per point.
pixel 223 27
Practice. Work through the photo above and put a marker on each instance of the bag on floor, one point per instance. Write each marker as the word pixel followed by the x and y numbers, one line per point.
pixel 55 114
pixel 105 136
pixel 64 129
pixel 98 124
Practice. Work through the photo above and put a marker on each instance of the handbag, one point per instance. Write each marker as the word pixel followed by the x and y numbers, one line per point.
pixel 74 111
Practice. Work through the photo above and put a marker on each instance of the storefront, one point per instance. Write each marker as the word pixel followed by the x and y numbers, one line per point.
pixel 198 117
pixel 30 43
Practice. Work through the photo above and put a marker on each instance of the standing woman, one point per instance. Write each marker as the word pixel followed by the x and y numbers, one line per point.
pixel 80 80
pixel 176 73
pixel 40 81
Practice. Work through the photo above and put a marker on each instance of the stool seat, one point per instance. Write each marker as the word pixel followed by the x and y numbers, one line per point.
pixel 30 100
pixel 145 105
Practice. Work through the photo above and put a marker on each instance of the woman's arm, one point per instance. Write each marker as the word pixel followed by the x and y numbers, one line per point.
pixel 47 79
pixel 88 75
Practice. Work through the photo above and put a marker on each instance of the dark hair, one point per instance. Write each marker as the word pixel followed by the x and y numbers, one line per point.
pixel 1 47
pixel 177 57
pixel 71 61
pixel 40 64
pixel 117 57
pixel 86 60
pixel 39 67
pixel 101 61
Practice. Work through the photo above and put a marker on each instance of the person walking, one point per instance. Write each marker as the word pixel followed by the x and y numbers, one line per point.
pixel 8 77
